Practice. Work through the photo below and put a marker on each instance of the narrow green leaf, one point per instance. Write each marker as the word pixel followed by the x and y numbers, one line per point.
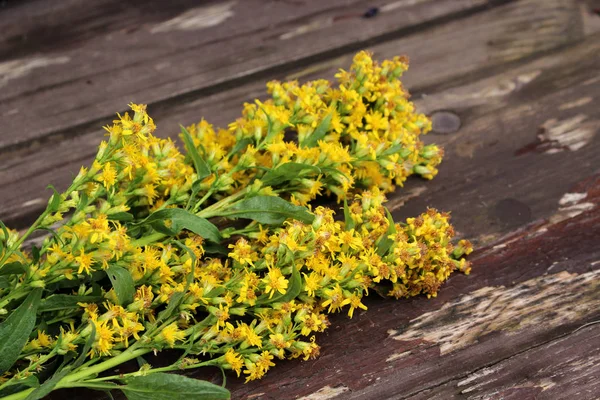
pixel 384 243
pixel 268 210
pixel 54 200
pixel 182 219
pixel 287 172
pixel 12 268
pixel 271 133
pixel 240 145
pixel 174 303
pixel 163 386
pixel 202 169
pixel 397 148
pixel 123 284
pixel 35 254
pixel 4 282
pixel 48 386
pixel 53 233
pixel 121 216
pixel 86 348
pixel 319 133
pixel 15 330
pixel 58 302
pixel 4 234
pixel 214 248
pixel 13 387
pixel 349 222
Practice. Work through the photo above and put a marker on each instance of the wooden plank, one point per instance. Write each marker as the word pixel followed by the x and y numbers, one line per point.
pixel 568 367
pixel 465 47
pixel 525 292
pixel 162 59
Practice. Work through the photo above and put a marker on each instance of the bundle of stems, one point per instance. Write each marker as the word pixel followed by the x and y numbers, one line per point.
pixel 221 252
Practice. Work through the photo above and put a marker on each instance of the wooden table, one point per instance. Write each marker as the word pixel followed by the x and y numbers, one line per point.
pixel 513 90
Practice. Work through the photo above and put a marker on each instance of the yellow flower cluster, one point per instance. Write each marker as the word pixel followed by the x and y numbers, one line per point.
pixel 136 265
pixel 362 134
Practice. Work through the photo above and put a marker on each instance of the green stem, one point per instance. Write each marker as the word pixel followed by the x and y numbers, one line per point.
pixel 19 395
pixel 34 365
pixel 35 225
pixel 148 239
pixel 202 200
pixel 168 368
pixel 127 355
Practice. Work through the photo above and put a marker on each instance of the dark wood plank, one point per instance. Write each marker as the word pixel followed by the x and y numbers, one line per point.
pixel 467 47
pixel 568 367
pixel 157 60
pixel 526 291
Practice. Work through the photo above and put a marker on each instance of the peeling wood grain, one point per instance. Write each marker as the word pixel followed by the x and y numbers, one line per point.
pixel 197 18
pixel 568 367
pixel 550 299
pixel 325 393
pixel 15 69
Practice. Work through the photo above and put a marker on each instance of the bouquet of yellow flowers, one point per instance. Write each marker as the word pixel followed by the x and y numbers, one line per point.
pixel 221 252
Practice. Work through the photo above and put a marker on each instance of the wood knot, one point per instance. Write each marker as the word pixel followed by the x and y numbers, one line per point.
pixel 445 122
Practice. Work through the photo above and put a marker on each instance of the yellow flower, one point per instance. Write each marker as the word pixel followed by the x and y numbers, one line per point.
pixel 108 177
pixel 234 360
pixel 170 334
pixel 312 283
pixel 355 302
pixel 275 282
pixel 104 339
pixel 85 262
pixel 242 252
pixel 335 299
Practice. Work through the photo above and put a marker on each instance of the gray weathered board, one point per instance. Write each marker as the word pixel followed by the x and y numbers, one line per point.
pixel 512 87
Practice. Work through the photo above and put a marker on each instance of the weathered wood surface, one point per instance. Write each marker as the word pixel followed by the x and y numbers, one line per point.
pixel 513 89
pixel 442 56
pixel 163 57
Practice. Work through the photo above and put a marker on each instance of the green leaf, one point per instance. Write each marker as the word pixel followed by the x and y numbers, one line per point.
pixel 123 284
pixel 12 268
pixel 47 387
pixel 202 169
pixel 287 172
pixel 268 210
pixel 4 282
pixel 121 216
pixel 214 248
pixel 54 200
pixel 349 222
pixel 163 386
pixel 270 131
pixel 397 148
pixel 294 289
pixel 53 233
pixel 5 234
pixel 182 219
pixel 174 302
pixel 318 133
pixel 18 386
pixel 15 330
pixel 57 302
pixel 35 254
pixel 241 145
pixel 384 243
pixel 86 348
